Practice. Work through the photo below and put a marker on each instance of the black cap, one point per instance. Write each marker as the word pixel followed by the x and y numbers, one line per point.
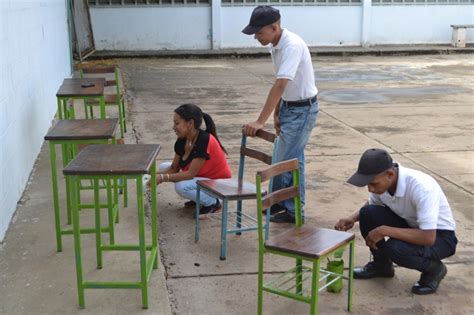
pixel 372 162
pixel 262 15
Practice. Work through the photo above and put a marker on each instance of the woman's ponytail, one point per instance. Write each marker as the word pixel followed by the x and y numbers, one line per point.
pixel 211 128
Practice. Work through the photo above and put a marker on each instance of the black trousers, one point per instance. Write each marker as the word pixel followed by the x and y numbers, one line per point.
pixel 402 253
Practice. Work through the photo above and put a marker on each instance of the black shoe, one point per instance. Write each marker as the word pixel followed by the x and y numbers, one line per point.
pixel 276 208
pixel 209 209
pixel 430 279
pixel 283 217
pixel 374 270
pixel 190 204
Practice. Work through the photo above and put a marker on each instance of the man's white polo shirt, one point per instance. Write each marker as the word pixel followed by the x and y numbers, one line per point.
pixel 419 200
pixel 292 61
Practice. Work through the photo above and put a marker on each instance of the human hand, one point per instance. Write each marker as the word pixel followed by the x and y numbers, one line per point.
pixel 251 129
pixel 374 236
pixel 344 224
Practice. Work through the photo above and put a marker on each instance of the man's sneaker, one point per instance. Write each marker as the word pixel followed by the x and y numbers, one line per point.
pixel 190 204
pixel 374 270
pixel 276 208
pixel 430 279
pixel 206 210
pixel 283 217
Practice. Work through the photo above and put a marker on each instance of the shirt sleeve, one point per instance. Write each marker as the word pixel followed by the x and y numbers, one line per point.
pixel 201 149
pixel 290 60
pixel 426 201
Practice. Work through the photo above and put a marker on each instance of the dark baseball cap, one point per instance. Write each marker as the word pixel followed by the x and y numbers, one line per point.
pixel 262 15
pixel 372 162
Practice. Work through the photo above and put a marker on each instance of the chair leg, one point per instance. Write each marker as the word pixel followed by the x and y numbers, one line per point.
pixel 238 223
pixel 299 276
pixel 121 120
pixel 224 230
pixel 124 117
pixel 351 270
pixel 315 287
pixel 196 221
pixel 260 282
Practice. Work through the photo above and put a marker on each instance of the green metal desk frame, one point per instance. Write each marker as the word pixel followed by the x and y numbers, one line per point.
pixel 146 265
pixel 69 151
pixel 68 112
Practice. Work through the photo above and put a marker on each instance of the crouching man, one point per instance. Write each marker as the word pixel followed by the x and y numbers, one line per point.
pixel 407 220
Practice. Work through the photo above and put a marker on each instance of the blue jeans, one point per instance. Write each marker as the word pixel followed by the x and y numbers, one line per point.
pixel 187 188
pixel 296 124
pixel 402 253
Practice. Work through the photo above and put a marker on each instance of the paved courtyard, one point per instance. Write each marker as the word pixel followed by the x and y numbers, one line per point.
pixel 419 108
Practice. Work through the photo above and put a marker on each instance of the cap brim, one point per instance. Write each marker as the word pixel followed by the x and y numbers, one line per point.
pixel 360 180
pixel 250 30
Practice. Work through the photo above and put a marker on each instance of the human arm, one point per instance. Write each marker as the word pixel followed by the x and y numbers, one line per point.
pixel 190 173
pixel 345 224
pixel 273 99
pixel 410 235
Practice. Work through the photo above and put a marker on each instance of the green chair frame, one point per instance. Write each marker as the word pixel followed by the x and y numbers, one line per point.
pixel 116 99
pixel 322 242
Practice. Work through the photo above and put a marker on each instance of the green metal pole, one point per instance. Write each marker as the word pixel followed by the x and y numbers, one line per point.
pixel 60 110
pixel 102 107
pixel 314 288
pixel 154 213
pixel 260 246
pixel 351 269
pixel 54 180
pixel 110 208
pixel 141 237
pixel 77 241
pixel 98 234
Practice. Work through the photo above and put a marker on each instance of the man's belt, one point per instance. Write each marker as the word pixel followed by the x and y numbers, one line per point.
pixel 306 102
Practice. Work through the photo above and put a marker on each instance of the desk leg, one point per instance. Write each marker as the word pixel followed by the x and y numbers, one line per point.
pixel 77 238
pixel 98 233
pixel 102 107
pixel 60 109
pixel 65 154
pixel 154 214
pixel 142 245
pixel 54 180
pixel 110 207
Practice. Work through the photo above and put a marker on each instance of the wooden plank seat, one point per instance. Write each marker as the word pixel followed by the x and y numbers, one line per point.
pixel 231 189
pixel 308 241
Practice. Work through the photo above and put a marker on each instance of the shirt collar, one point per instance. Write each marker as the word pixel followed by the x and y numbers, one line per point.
pixel 401 181
pixel 284 34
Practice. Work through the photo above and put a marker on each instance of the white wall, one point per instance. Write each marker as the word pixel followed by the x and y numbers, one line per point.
pixel 151 28
pixel 318 26
pixel 419 24
pixel 34 59
pixel 154 27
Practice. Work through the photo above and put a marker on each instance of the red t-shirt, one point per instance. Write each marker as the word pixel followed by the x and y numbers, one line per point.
pixel 208 148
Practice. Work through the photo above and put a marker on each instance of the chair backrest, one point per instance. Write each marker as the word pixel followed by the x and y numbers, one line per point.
pixel 246 151
pixel 266 201
pixel 104 70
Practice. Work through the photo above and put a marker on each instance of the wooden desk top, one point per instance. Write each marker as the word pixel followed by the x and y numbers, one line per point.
pixel 73 87
pixel 83 129
pixel 108 159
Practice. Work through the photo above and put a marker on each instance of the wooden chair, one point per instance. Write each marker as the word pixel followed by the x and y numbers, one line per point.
pixel 236 189
pixel 301 242
pixel 110 99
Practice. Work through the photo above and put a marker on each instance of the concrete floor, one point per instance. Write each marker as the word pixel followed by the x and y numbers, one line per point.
pixel 419 108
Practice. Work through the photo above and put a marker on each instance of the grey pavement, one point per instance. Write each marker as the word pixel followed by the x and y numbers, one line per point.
pixel 419 108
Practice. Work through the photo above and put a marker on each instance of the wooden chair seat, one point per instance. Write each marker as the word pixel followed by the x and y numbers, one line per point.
pixel 231 189
pixel 308 241
pixel 110 99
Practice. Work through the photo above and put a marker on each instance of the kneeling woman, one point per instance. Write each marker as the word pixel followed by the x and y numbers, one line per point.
pixel 199 155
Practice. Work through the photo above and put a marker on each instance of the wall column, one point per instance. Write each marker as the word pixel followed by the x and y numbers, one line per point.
pixel 216 24
pixel 366 22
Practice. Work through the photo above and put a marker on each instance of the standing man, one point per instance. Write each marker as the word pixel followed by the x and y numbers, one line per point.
pixel 409 208
pixel 292 98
